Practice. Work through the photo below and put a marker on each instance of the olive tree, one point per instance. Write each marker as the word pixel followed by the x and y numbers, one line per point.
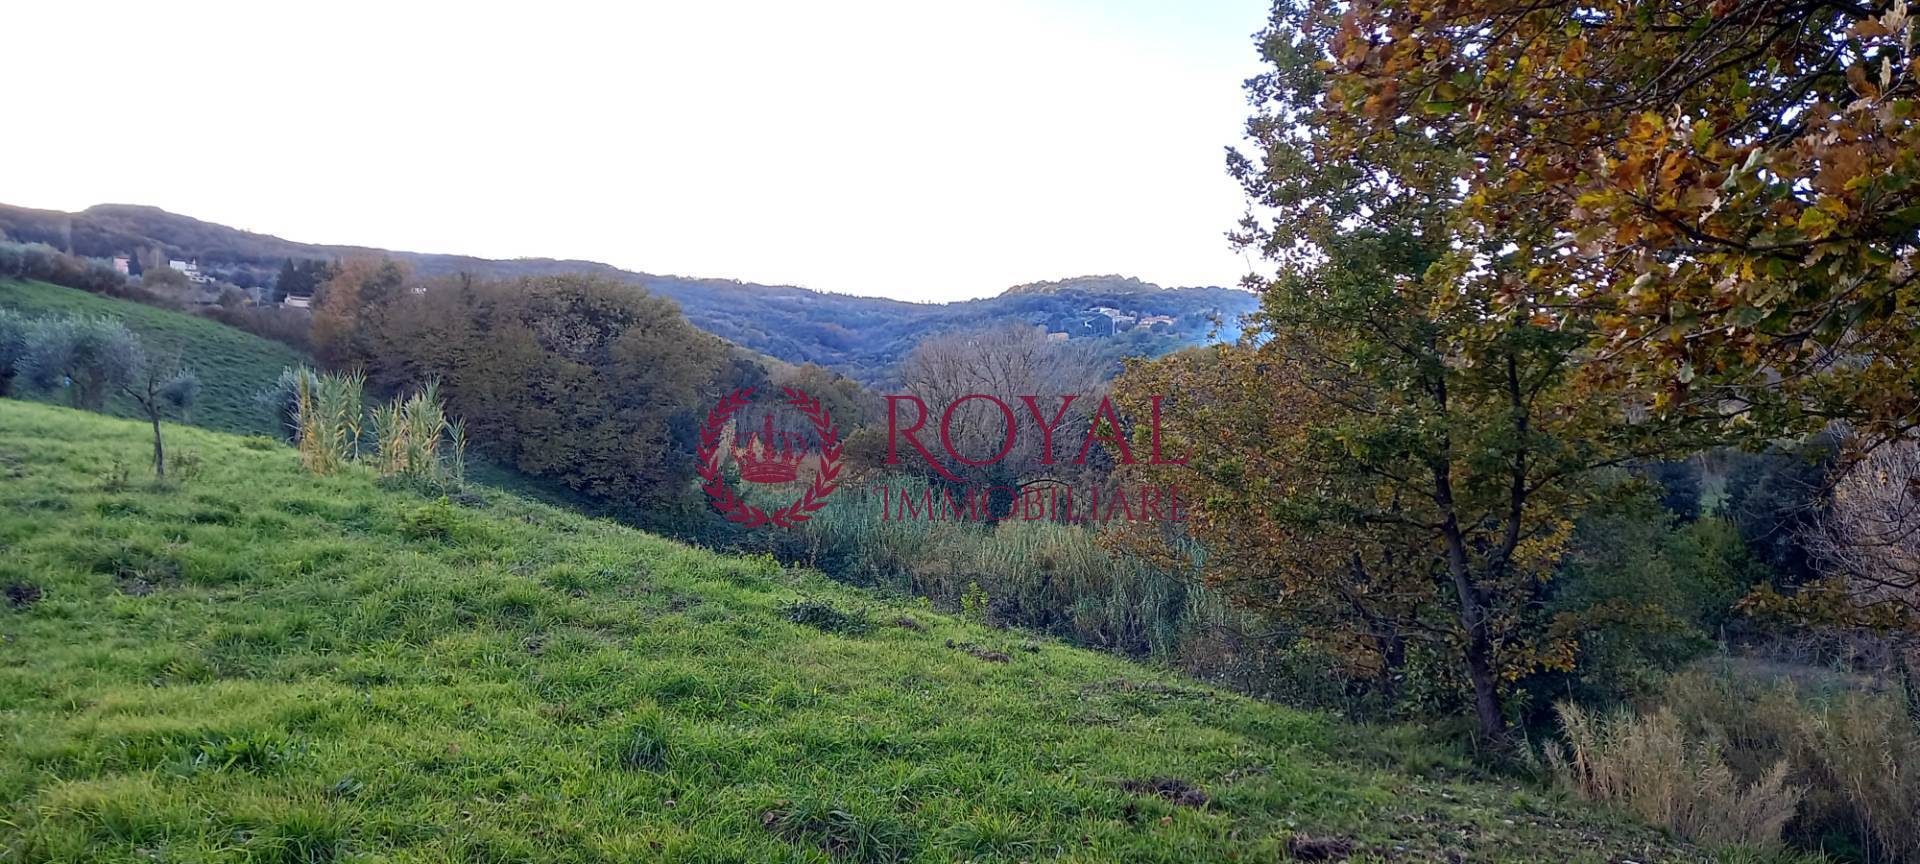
pixel 93 358
pixel 90 358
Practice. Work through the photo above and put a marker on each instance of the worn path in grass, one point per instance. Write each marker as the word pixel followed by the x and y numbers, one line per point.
pixel 262 665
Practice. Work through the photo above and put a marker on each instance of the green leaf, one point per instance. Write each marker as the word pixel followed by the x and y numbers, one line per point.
pixel 1746 316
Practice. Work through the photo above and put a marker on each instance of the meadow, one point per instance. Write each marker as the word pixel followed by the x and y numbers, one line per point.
pixel 233 365
pixel 253 663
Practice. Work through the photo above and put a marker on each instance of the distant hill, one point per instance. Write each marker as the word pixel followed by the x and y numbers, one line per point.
pixel 864 337
pixel 1109 284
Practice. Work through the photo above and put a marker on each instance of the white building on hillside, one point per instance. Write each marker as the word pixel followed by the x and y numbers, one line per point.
pixel 191 269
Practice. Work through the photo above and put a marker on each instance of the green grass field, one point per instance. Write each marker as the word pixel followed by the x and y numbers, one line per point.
pixel 233 365
pixel 261 665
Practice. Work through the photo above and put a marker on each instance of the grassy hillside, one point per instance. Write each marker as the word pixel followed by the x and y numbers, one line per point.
pixel 262 665
pixel 233 364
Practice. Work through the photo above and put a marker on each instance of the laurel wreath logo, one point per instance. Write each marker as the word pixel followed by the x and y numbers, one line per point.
pixel 736 508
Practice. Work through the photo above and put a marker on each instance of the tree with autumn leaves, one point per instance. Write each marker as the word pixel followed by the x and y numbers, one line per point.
pixel 1393 466
pixel 1726 191
pixel 1393 459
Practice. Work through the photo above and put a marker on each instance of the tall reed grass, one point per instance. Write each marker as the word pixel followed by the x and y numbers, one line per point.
pixel 412 436
pixel 330 415
pixel 410 433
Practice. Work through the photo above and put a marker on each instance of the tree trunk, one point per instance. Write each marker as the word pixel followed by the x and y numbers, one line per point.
pixel 1487 710
pixel 1909 685
pixel 159 450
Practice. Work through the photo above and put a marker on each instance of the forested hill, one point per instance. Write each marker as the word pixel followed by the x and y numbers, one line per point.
pixel 863 336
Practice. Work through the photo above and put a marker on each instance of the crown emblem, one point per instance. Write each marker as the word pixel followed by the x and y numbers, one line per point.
pixel 761 462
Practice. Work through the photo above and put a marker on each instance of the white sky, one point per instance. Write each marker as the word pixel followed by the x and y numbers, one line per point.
pixel 926 151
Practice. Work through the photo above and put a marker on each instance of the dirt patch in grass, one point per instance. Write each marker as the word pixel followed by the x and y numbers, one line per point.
pixel 1172 789
pixel 1305 847
pixel 20 595
pixel 905 623
pixel 987 654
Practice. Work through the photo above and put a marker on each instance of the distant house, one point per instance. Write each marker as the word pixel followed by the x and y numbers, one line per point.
pixel 122 265
pixel 191 269
pixel 1056 337
pixel 298 301
pixel 1155 322
pixel 1094 325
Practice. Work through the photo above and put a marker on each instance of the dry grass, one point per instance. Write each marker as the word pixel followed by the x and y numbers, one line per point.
pixel 1853 753
pixel 1865 748
pixel 1647 765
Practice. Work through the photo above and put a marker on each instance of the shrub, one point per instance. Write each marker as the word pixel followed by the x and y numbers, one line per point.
pixel 44 263
pixel 973 603
pixel 1864 748
pixel 285 325
pixel 281 401
pixel 1648 765
pixel 1059 579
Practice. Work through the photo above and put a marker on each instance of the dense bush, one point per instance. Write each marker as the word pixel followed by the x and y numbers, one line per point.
pixel 283 324
pixel 1642 596
pixel 586 381
pixel 13 345
pixel 90 358
pixel 46 264
pixel 1054 578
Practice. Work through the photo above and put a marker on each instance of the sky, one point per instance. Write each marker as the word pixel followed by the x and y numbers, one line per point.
pixel 922 151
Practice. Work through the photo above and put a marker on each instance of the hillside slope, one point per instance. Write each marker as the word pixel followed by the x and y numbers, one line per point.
pixel 234 365
pixel 864 337
pixel 264 665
